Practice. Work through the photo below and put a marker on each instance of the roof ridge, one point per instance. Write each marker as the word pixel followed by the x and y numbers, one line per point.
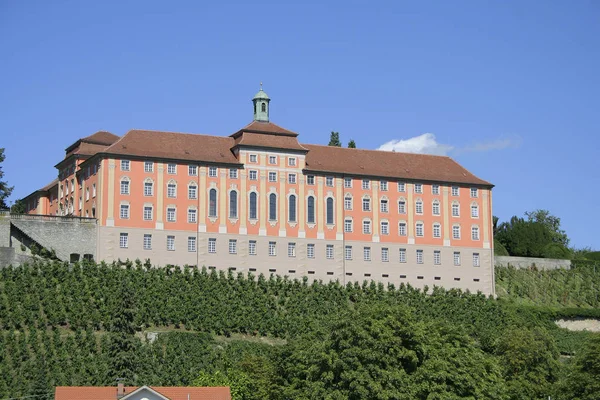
pixel 377 150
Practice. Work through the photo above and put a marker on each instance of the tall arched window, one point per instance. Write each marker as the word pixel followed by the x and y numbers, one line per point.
pixel 272 207
pixel 263 107
pixel 253 206
pixel 233 204
pixel 329 208
pixel 310 218
pixel 292 208
pixel 212 203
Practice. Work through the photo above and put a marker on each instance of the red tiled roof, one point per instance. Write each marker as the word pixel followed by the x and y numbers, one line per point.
pixel 387 164
pixel 271 141
pixel 173 145
pixel 110 392
pixel 87 149
pixel 101 137
pixel 264 127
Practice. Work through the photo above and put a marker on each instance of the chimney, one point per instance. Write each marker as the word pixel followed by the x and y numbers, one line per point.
pixel 120 389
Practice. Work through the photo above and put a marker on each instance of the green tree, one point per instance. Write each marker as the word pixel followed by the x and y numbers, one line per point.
pixel 18 207
pixel 5 190
pixel 237 381
pixel 552 223
pixel 583 382
pixel 123 344
pixel 334 139
pixel 351 144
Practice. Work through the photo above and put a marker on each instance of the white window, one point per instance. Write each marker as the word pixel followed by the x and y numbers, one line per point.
pixel 192 170
pixel 474 211
pixel 148 166
pixel 192 243
pixel 212 245
pixel 385 254
pixel 171 243
pixel 212 172
pixel 457 258
pixel 437 230
pixel 93 190
pixel 383 206
pixel 455 209
pixel 310 250
pixel 366 204
pixel 233 173
pixel 348 202
pixel 148 189
pixel 348 225
pixel 272 249
pixel 419 229
pixel 367 227
pixel 367 253
pixel 272 159
pixel 347 182
pixel 418 188
pixel 435 208
pixel 348 253
pixel 383 185
pixel 147 213
pixel 419 207
pixel 272 176
pixel 253 158
pixel 419 256
pixel 147 241
pixel 474 192
pixel 402 255
pixel 435 189
pixel 292 161
pixel 124 186
pixel 476 259
pixel 437 257
pixel 171 169
pixel 292 179
pixel 329 181
pixel 291 249
pixel 475 233
pixel 124 240
pixel 329 252
pixel 87 194
pixel 192 215
pixel 456 232
pixel 366 184
pixel 401 207
pixel 232 246
pixel 125 165
pixel 385 228
pixel 124 211
pixel 252 244
pixel 172 190
pixel 171 214
pixel 401 187
pixel 192 192
pixel 233 204
pixel 253 175
pixel 454 190
pixel 402 228
pixel 310 179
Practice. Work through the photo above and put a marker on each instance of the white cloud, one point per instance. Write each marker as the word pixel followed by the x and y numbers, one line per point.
pixel 428 144
pixel 422 144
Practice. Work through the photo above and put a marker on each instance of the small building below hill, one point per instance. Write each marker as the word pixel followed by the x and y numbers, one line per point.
pixel 122 392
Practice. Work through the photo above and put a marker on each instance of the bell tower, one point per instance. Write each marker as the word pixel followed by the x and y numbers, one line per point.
pixel 261 106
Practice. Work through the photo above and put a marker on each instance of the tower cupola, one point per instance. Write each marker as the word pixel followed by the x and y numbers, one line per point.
pixel 261 106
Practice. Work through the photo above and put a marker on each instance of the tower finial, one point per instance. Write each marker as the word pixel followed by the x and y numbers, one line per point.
pixel 261 86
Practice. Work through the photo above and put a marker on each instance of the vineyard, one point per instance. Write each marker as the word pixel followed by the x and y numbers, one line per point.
pixel 84 325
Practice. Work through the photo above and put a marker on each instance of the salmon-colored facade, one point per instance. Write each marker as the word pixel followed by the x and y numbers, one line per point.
pixel 259 201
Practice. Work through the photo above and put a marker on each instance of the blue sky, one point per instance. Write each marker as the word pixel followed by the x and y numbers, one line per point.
pixel 507 88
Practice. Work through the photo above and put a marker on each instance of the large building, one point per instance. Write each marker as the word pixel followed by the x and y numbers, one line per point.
pixel 260 201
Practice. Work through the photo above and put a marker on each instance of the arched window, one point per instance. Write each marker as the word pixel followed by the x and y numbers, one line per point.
pixel 366 204
pixel 310 218
pixel 419 207
pixel 435 208
pixel 419 231
pixel 253 205
pixel 348 202
pixel 292 208
pixel 233 204
pixel 272 207
pixel 192 191
pixel 172 189
pixel 329 219
pixel 148 187
pixel 125 185
pixel 263 107
pixel 456 232
pixel 437 230
pixel 474 233
pixel 455 209
pixel 383 205
pixel 212 203
pixel 474 210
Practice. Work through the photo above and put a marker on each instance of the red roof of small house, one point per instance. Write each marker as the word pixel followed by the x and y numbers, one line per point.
pixel 170 392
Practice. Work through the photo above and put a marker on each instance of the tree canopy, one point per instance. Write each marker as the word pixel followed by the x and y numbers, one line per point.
pixel 5 190
pixel 351 144
pixel 334 139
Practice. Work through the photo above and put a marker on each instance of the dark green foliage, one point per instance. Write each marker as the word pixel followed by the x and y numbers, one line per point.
pixel 83 325
pixel 334 139
pixel 18 207
pixel 351 144
pixel 5 190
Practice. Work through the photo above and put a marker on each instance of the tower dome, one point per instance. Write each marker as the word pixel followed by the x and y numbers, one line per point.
pixel 261 106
